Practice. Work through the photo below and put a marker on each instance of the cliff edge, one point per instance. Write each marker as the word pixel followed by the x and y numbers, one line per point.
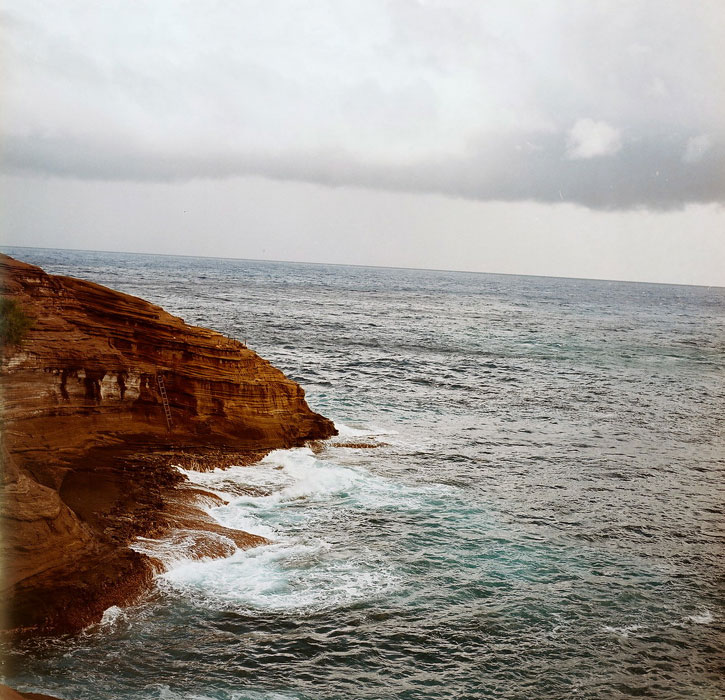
pixel 89 440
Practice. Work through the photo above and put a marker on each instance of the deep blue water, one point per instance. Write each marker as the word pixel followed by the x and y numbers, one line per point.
pixel 543 518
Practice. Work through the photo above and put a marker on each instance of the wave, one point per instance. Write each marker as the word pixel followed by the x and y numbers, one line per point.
pixel 281 498
pixel 704 617
pixel 283 576
pixel 164 692
pixel 347 431
pixel 182 545
pixel 623 632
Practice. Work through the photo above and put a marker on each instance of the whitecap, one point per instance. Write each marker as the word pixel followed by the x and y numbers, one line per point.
pixel 623 631
pixel 348 431
pixel 705 617
pixel 288 476
pixel 286 491
pixel 111 616
pixel 285 576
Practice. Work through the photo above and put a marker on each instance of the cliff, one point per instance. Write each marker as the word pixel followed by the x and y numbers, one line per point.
pixel 87 448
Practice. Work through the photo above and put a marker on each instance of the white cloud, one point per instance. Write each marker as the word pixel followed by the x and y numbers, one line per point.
pixel 696 148
pixel 591 139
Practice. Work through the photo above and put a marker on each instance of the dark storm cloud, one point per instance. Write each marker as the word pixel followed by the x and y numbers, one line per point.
pixel 651 172
pixel 609 105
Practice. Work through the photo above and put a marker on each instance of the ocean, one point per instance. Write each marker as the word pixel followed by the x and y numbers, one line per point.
pixel 542 515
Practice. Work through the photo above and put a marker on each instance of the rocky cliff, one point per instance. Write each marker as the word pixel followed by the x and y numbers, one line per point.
pixel 87 446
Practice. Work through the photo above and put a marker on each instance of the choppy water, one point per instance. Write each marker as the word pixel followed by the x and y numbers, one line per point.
pixel 545 518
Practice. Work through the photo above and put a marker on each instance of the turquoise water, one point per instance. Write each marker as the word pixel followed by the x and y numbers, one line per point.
pixel 542 517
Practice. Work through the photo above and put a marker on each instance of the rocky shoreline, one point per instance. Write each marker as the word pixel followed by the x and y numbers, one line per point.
pixel 88 453
pixel 10 694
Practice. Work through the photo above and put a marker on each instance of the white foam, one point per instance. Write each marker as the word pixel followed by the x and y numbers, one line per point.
pixel 623 631
pixel 348 431
pixel 111 616
pixel 290 490
pixel 705 617
pixel 181 546
pixel 279 498
pixel 164 692
pixel 297 571
pixel 287 476
pixel 278 577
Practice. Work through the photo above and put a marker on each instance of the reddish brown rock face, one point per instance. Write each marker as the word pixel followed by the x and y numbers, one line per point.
pixel 81 401
pixel 88 369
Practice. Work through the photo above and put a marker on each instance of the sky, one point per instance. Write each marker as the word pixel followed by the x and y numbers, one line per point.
pixel 568 138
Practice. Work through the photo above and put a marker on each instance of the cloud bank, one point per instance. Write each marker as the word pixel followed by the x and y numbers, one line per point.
pixel 607 104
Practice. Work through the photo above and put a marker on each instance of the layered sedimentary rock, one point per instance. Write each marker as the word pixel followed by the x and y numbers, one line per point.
pixel 82 411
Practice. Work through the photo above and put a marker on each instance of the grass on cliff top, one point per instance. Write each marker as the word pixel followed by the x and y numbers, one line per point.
pixel 14 323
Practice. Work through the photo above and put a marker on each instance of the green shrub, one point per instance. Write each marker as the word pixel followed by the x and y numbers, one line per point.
pixel 14 322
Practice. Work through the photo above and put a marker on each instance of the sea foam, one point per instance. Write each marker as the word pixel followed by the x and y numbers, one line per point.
pixel 347 431
pixel 703 618
pixel 280 497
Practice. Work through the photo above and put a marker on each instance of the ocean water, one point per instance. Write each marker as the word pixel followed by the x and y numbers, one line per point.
pixel 543 516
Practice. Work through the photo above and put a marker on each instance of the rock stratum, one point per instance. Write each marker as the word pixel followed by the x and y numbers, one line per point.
pixel 87 453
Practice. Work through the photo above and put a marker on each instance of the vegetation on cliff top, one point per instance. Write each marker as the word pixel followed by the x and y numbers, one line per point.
pixel 14 323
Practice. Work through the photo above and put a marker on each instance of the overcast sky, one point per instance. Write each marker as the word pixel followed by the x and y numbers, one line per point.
pixel 565 137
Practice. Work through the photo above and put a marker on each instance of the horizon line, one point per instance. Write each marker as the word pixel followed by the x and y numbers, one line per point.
pixel 376 267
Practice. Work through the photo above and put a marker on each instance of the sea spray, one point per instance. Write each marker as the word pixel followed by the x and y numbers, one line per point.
pixel 280 498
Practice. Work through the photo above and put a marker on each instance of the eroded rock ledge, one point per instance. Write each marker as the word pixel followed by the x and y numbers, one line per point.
pixel 87 452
